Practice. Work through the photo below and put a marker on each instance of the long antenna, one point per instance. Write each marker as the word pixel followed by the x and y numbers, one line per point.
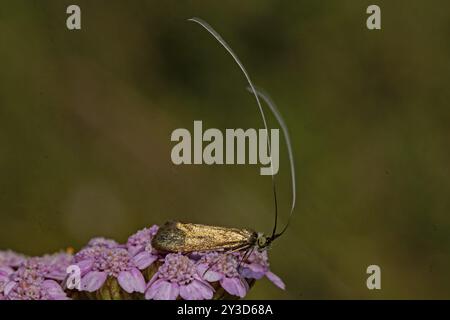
pixel 261 93
pixel 252 89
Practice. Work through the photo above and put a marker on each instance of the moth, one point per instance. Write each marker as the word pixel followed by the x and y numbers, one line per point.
pixel 188 237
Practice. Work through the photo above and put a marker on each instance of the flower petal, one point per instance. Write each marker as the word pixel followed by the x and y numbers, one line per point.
pixel 132 281
pixel 6 271
pixel 93 281
pixel 4 279
pixel 249 273
pixel 134 250
pixel 144 259
pixel 276 280
pixel 57 275
pixel 85 266
pixel 209 275
pixel 235 286
pixel 9 287
pixel 54 290
pixel 162 290
pixel 257 268
pixel 196 290
pixel 153 279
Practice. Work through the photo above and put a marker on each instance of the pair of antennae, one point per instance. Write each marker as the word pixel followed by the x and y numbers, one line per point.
pixel 287 140
pixel 258 93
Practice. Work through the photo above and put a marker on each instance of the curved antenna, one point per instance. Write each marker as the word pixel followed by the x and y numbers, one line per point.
pixel 264 96
pixel 252 89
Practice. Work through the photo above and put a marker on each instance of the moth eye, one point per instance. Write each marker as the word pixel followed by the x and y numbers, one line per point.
pixel 261 241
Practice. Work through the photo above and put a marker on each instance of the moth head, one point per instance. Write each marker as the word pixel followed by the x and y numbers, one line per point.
pixel 262 241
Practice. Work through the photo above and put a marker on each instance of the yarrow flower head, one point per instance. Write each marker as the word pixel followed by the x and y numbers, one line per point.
pixel 97 263
pixel 30 282
pixel 11 259
pixel 256 266
pixel 102 242
pixel 223 267
pixel 139 246
pixel 178 276
pixel 57 265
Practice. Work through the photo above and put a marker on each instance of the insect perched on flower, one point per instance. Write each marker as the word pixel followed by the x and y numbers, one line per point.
pixel 174 261
pixel 188 237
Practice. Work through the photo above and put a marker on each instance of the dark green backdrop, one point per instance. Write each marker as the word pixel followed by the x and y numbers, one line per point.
pixel 86 118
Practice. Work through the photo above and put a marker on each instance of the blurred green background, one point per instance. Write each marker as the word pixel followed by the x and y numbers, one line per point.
pixel 86 118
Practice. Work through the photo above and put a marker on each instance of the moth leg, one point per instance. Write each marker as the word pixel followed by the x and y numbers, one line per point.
pixel 241 248
pixel 248 250
pixel 245 247
pixel 213 264
pixel 246 256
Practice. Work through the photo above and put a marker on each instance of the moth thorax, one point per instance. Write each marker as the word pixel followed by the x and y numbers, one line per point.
pixel 262 241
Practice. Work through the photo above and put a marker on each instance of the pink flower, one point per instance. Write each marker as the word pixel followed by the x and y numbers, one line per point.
pixel 223 267
pixel 30 282
pixel 139 246
pixel 97 263
pixel 256 266
pixel 57 265
pixel 178 276
pixel 11 259
pixel 102 242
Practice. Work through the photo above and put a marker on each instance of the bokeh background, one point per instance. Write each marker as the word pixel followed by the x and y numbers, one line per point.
pixel 86 118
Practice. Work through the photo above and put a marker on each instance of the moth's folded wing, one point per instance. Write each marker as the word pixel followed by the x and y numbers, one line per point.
pixel 188 237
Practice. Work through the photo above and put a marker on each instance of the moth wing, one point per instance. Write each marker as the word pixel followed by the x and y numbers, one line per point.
pixel 189 237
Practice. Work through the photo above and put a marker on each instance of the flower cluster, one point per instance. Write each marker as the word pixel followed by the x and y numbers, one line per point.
pixel 36 278
pixel 107 269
